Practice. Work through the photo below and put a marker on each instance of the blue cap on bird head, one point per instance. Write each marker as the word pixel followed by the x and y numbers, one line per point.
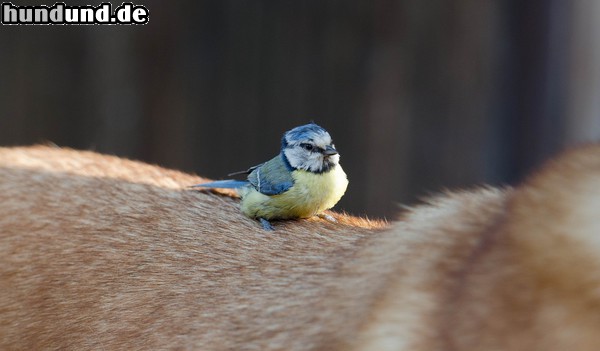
pixel 307 131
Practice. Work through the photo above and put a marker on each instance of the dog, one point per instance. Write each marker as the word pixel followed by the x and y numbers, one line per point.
pixel 103 253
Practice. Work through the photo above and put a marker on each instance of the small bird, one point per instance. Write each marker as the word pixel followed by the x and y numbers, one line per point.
pixel 304 180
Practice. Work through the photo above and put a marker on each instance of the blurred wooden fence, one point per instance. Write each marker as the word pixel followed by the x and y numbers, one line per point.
pixel 418 95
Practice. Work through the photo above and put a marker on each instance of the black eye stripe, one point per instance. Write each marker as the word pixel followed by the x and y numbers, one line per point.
pixel 307 147
pixel 312 148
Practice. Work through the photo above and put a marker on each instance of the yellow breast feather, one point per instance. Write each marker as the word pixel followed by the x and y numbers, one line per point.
pixel 311 194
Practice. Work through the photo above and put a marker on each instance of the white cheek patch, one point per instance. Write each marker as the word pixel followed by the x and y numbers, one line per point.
pixel 308 161
pixel 295 157
pixel 314 162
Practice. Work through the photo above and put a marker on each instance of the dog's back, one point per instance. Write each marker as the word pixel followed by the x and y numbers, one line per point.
pixel 97 252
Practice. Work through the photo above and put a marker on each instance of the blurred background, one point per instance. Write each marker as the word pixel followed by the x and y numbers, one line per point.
pixel 419 96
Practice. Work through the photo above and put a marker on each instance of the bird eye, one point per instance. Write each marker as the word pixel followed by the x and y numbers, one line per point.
pixel 307 147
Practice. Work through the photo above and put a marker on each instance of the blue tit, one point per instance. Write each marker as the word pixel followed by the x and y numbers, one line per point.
pixel 304 180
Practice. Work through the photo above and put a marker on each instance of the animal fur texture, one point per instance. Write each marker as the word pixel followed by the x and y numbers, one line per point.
pixel 102 253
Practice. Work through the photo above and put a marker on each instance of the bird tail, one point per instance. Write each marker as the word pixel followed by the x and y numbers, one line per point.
pixel 225 184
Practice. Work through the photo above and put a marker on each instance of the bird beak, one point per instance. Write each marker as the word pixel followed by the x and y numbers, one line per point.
pixel 329 151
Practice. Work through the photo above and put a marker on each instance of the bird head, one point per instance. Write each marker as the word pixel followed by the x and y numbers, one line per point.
pixel 310 148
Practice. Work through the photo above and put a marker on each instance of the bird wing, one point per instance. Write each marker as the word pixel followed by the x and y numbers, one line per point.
pixel 272 177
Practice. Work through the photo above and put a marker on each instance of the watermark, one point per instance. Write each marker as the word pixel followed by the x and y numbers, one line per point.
pixel 60 13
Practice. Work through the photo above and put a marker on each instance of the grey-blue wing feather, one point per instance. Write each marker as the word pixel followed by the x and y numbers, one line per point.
pixel 272 177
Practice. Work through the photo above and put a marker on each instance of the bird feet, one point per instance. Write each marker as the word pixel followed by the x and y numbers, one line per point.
pixel 327 217
pixel 266 225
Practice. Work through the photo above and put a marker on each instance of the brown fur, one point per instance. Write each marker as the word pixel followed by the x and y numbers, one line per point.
pixel 98 252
